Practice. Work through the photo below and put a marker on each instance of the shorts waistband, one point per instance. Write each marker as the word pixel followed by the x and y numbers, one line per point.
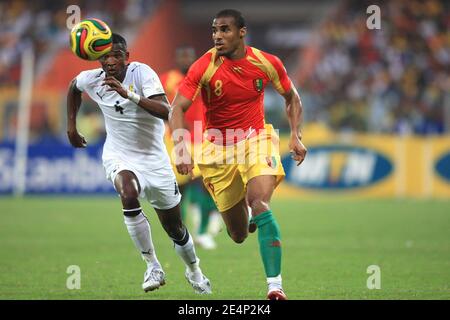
pixel 250 133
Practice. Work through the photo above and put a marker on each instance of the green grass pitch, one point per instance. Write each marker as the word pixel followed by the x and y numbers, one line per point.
pixel 327 247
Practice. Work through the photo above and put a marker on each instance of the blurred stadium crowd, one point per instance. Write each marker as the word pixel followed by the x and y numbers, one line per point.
pixel 392 80
pixel 43 24
pixel 395 79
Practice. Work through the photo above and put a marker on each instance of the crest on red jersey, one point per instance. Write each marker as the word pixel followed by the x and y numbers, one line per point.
pixel 258 84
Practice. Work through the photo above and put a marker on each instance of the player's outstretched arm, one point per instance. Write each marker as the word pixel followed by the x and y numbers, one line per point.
pixel 183 161
pixel 294 112
pixel 157 106
pixel 73 105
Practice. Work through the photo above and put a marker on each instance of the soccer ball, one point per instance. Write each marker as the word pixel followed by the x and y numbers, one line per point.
pixel 90 39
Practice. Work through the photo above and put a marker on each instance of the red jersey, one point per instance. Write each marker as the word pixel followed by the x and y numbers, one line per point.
pixel 233 90
pixel 171 80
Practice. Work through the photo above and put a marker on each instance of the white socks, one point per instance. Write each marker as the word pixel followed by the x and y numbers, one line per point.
pixel 187 252
pixel 139 230
pixel 274 283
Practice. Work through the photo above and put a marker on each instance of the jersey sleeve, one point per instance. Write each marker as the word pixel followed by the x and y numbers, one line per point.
pixel 151 85
pixel 82 80
pixel 191 84
pixel 279 77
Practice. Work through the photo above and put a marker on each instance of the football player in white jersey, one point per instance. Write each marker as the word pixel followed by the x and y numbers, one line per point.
pixel 135 158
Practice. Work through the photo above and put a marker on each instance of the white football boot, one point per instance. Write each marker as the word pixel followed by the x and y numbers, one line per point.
pixel 154 278
pixel 201 287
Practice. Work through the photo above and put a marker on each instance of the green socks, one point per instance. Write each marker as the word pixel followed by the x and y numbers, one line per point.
pixel 269 243
pixel 194 193
pixel 206 207
pixel 185 201
pixel 199 195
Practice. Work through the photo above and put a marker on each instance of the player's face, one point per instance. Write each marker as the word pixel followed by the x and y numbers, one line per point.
pixel 227 36
pixel 115 61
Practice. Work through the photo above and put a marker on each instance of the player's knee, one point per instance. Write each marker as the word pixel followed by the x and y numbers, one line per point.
pixel 129 191
pixel 258 205
pixel 129 197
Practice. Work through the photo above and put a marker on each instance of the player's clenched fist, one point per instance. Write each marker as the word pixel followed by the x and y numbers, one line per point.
pixel 183 159
pixel 185 168
pixel 76 139
pixel 297 149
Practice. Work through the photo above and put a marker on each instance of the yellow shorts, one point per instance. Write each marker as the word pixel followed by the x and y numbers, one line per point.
pixel 227 169
pixel 181 179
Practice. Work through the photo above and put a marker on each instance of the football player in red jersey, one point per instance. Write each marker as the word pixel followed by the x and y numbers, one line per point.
pixel 231 78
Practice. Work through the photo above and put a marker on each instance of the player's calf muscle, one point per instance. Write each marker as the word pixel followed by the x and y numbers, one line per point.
pixel 171 221
pixel 238 237
pixel 236 221
pixel 174 231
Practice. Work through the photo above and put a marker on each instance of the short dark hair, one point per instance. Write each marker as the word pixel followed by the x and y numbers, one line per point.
pixel 239 20
pixel 117 38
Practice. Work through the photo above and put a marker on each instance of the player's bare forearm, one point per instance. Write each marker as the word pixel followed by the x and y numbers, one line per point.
pixel 73 105
pixel 183 159
pixel 294 112
pixel 179 106
pixel 157 106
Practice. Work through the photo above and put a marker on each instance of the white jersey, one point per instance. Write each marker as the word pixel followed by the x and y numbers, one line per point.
pixel 133 134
